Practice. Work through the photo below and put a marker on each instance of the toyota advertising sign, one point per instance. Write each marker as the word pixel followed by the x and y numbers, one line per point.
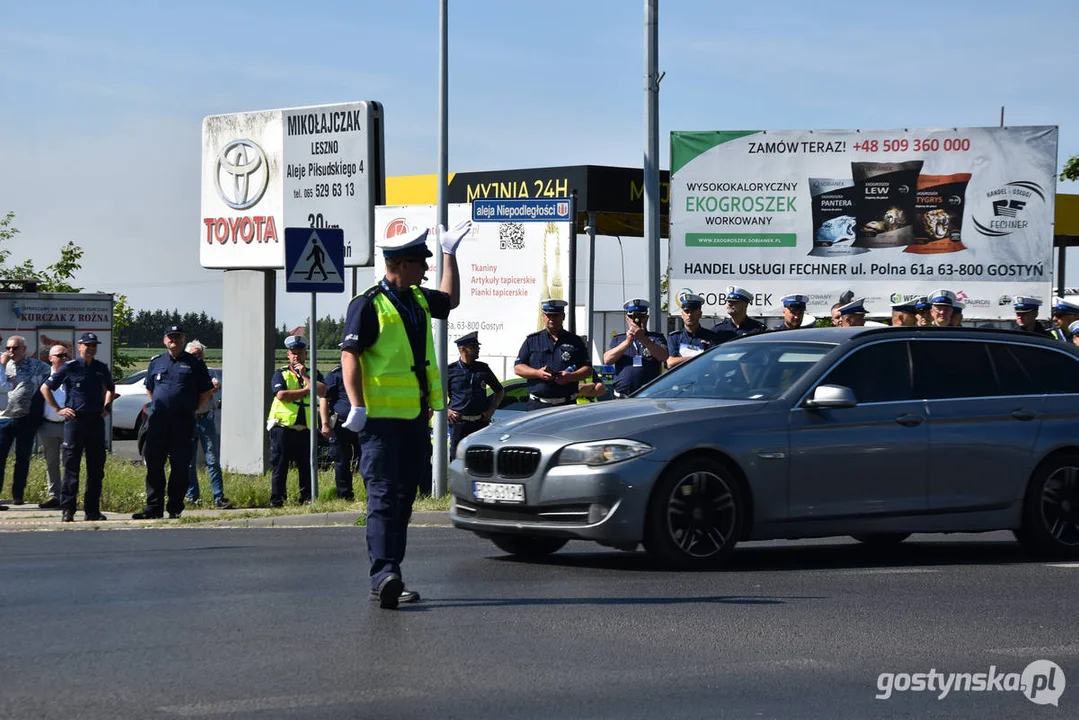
pixel 315 167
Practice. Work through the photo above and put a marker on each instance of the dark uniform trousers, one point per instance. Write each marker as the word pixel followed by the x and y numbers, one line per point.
pixel 168 434
pixel 20 432
pixel 395 461
pixel 346 447
pixel 289 445
pixel 462 429
pixel 84 434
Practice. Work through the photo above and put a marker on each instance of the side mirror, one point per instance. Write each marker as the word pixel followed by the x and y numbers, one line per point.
pixel 832 396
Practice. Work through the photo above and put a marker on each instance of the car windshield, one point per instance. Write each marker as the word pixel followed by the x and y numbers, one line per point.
pixel 740 371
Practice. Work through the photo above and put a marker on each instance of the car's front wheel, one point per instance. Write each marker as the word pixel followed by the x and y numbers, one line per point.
pixel 527 547
pixel 695 514
pixel 1051 509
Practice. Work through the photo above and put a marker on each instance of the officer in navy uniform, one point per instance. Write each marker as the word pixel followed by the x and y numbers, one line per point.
pixel 344 443
pixel 853 313
pixel 552 361
pixel 794 310
pixel 637 354
pixel 738 300
pixel 89 392
pixel 290 442
pixel 467 380
pixel 905 313
pixel 178 384
pixel 692 339
pixel 941 307
pixel 1026 316
pixel 1065 312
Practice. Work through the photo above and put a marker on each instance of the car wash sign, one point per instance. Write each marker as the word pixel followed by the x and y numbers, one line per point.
pixel 314 167
pixel 886 213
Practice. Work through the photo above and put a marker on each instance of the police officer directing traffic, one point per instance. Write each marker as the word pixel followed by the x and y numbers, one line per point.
pixel 794 311
pixel 393 383
pixel 853 313
pixel 692 339
pixel 89 392
pixel 1065 312
pixel 178 383
pixel 552 361
pixel 738 300
pixel 1026 315
pixel 333 409
pixel 467 381
pixel 287 423
pixel 637 354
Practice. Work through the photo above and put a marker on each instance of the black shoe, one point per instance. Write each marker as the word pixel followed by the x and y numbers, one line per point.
pixel 49 504
pixel 18 501
pixel 406 596
pixel 347 496
pixel 3 507
pixel 193 502
pixel 148 515
pixel 174 516
pixel 277 503
pixel 223 504
pixel 389 592
pixel 67 516
pixel 94 517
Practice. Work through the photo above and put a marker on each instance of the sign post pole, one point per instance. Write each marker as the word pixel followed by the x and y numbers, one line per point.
pixel 312 383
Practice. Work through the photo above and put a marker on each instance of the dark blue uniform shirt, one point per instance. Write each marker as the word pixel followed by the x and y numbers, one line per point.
pixel 468 387
pixel 631 373
pixel 683 343
pixel 176 383
pixel 566 353
pixel 749 326
pixel 336 395
pixel 277 384
pixel 84 384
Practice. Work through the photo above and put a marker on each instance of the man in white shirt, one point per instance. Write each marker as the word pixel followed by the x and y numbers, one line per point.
pixel 23 376
pixel 51 432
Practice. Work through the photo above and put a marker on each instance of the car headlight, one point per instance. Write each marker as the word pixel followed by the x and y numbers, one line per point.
pixel 601 452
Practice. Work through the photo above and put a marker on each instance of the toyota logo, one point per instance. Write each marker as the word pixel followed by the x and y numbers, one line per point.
pixel 242 174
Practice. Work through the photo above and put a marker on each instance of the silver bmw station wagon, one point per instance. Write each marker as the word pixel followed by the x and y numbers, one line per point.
pixel 871 432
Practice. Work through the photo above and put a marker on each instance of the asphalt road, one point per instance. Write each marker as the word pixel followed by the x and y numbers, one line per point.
pixel 198 623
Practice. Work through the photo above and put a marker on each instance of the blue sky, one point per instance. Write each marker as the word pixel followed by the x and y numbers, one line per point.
pixel 102 103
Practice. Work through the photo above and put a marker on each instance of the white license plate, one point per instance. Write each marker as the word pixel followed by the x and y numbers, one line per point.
pixel 498 492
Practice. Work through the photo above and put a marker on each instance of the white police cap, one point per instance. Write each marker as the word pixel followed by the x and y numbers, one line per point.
pixel 795 301
pixel 636 305
pixel 942 297
pixel 552 305
pixel 854 307
pixel 1026 303
pixel 959 306
pixel 1073 328
pixel 1065 307
pixel 690 300
pixel 737 293
pixel 295 341
pixel 412 244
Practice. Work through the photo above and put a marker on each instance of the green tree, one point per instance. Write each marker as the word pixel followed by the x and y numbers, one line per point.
pixel 123 317
pixel 1071 169
pixel 54 278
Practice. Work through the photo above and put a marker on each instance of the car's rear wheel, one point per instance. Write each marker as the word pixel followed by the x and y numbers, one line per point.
pixel 882 539
pixel 695 514
pixel 1051 509
pixel 528 547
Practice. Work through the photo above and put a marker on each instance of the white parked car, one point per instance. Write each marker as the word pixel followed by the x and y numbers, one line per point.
pixel 126 408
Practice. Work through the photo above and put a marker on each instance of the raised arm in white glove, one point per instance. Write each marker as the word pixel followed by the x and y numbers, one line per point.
pixel 357 418
pixel 450 239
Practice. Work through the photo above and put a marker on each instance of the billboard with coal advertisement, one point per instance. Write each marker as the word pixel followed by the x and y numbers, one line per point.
pixel 888 214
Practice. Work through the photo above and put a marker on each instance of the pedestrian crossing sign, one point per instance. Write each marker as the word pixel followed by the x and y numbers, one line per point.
pixel 314 260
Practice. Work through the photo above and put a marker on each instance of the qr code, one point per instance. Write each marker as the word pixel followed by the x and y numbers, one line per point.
pixel 511 236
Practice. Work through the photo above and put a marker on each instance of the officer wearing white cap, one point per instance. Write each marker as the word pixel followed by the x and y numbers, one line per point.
pixel 738 300
pixel 942 305
pixel 89 392
pixel 637 354
pixel 552 361
pixel 853 313
pixel 692 339
pixel 794 310
pixel 290 443
pixel 333 408
pixel 1074 330
pixel 904 313
pixel 957 313
pixel 393 383
pixel 467 381
pixel 1026 315
pixel 922 316
pixel 178 384
pixel 1065 312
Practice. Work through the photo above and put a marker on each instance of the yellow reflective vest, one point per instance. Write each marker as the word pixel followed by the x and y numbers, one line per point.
pixel 285 413
pixel 390 386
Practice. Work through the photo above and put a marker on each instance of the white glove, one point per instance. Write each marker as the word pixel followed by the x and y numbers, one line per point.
pixel 357 418
pixel 450 239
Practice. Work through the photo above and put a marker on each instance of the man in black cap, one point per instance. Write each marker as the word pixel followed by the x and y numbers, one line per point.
pixel 637 354
pixel 333 409
pixel 467 381
pixel 553 361
pixel 287 423
pixel 177 383
pixel 89 392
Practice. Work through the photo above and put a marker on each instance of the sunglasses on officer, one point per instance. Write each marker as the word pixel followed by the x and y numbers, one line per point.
pixel 637 317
